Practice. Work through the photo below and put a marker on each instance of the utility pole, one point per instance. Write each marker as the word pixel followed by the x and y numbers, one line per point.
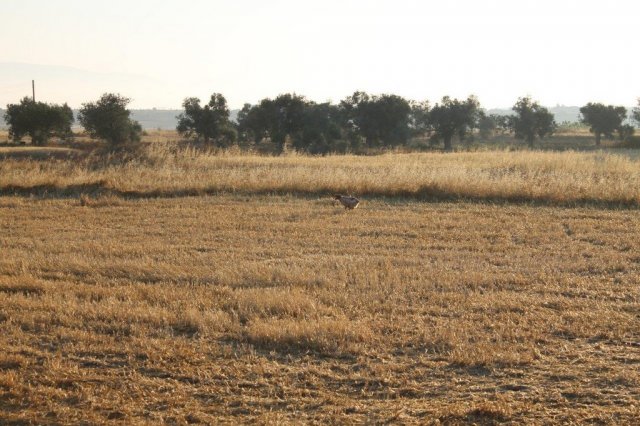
pixel 33 89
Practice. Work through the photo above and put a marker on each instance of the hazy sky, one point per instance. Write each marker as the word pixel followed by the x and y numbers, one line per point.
pixel 159 52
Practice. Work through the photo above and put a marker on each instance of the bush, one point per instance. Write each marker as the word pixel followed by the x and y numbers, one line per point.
pixel 109 119
pixel 625 132
pixel 631 142
pixel 209 123
pixel 39 120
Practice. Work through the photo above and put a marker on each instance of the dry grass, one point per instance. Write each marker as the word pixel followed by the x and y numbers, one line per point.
pixel 81 136
pixel 567 178
pixel 276 309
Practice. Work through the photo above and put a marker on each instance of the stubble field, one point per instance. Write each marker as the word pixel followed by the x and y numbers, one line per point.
pixel 147 307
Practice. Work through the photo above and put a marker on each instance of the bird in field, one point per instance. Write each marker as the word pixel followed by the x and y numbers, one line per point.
pixel 347 201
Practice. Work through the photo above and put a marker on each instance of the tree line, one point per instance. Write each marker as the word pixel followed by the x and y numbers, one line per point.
pixel 107 119
pixel 360 121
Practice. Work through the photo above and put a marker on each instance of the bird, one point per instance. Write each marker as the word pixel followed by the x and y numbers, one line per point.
pixel 347 201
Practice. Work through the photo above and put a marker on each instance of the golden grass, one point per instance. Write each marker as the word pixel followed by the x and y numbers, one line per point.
pixel 547 177
pixel 277 309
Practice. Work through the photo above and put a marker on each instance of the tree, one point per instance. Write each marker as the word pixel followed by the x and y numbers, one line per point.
pixel 356 119
pixel 210 122
pixel 454 117
pixel 39 120
pixel 321 132
pixel 287 118
pixel 244 130
pixel 603 119
pixel 308 126
pixel 625 132
pixel 278 119
pixel 109 119
pixel 635 114
pixel 503 122
pixel 383 120
pixel 393 118
pixel 419 118
pixel 252 123
pixel 487 125
pixel 531 120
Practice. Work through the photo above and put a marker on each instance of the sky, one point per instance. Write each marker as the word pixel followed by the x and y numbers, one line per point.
pixel 560 52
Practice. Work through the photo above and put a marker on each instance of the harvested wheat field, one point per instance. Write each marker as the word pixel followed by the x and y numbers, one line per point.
pixel 264 309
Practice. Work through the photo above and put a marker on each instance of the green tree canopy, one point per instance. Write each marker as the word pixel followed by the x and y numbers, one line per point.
pixel 109 119
pixel 252 123
pixel 209 122
pixel 311 127
pixel 487 125
pixel 321 131
pixel 635 114
pixel 288 112
pixel 383 120
pixel 603 119
pixel 38 120
pixel 276 119
pixel 625 132
pixel 419 119
pixel 453 117
pixel 531 120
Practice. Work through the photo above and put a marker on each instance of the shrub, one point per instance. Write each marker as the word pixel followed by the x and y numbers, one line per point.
pixel 209 122
pixel 39 120
pixel 109 119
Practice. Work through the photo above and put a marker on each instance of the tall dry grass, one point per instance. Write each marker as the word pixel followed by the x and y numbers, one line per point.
pixel 165 170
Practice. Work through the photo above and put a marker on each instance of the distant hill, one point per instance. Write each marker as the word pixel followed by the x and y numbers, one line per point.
pixel 150 119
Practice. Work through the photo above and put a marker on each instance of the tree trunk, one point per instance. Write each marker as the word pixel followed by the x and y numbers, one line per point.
pixel 530 141
pixel 447 144
pixel 598 136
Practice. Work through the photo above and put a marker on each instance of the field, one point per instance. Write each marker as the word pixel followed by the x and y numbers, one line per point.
pixel 187 287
